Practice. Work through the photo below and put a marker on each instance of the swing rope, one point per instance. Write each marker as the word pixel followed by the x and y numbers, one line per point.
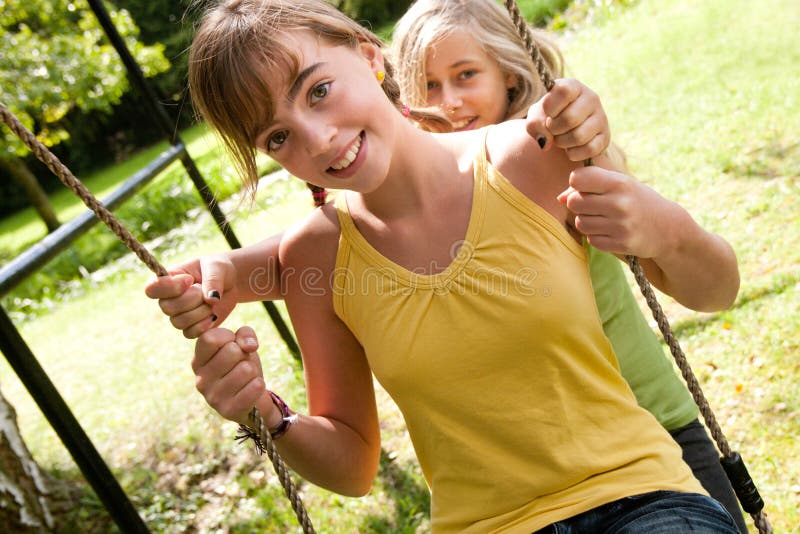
pixel 67 178
pixel 732 462
pixel 734 467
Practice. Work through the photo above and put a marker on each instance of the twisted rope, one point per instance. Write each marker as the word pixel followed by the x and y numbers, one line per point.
pixel 525 33
pixel 679 356
pixel 67 178
pixel 259 433
pixel 699 397
pixel 710 419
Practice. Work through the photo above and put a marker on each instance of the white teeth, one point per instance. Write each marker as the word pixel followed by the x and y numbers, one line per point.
pixel 462 123
pixel 348 158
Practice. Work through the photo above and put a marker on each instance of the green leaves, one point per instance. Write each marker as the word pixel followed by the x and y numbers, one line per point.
pixel 56 58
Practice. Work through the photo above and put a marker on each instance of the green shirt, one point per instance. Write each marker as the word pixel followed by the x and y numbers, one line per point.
pixel 645 366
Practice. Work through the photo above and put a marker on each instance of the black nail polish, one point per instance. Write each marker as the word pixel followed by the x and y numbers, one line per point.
pixel 214 294
pixel 213 318
pixel 542 140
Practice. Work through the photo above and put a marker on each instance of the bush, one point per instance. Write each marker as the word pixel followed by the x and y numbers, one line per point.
pixel 373 12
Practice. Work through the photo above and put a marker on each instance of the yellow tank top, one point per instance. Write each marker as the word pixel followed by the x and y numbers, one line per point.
pixel 509 388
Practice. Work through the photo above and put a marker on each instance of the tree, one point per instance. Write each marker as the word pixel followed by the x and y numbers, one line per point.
pixel 24 492
pixel 16 168
pixel 376 12
pixel 55 59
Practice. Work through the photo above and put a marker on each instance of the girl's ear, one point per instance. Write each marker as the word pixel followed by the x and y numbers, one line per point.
pixel 511 81
pixel 372 53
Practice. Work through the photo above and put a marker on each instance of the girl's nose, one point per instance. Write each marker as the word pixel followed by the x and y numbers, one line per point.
pixel 318 138
pixel 451 99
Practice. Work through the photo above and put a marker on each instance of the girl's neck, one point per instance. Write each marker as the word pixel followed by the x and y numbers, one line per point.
pixel 422 169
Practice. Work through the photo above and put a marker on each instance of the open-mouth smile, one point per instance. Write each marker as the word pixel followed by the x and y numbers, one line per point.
pixel 346 162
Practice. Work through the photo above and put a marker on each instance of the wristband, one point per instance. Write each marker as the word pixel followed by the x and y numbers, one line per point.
pixel 288 417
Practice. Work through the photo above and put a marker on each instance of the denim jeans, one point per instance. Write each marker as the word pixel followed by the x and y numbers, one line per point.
pixel 702 456
pixel 657 512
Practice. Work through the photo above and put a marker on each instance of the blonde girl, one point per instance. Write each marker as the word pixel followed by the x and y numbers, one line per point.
pixel 580 129
pixel 512 411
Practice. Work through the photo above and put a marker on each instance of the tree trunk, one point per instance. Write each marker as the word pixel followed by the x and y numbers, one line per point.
pixel 24 492
pixel 20 172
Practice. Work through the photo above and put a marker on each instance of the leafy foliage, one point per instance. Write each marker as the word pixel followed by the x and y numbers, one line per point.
pixel 55 59
pixel 375 12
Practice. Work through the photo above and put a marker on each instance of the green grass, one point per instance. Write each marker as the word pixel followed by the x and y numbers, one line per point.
pixel 24 227
pixel 704 99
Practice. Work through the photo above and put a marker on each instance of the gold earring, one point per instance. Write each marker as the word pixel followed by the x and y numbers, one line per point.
pixel 380 75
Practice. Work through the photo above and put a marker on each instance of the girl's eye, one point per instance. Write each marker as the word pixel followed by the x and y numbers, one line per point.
pixel 431 86
pixel 276 140
pixel 467 74
pixel 319 92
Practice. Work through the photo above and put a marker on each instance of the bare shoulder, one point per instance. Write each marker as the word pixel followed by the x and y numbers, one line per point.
pixel 508 145
pixel 312 243
pixel 515 153
pixel 539 174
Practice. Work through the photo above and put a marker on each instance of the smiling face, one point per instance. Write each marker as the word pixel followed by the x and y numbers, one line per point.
pixel 466 82
pixel 329 120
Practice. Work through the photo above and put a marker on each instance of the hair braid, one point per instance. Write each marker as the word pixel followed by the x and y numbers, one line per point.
pixel 319 194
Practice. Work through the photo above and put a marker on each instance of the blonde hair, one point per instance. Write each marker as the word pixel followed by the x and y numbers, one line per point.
pixel 237 41
pixel 428 21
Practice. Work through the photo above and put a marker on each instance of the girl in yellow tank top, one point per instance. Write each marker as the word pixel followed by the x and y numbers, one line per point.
pixel 466 57
pixel 449 269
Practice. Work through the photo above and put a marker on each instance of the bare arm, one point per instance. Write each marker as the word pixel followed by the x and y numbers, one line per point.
pixel 337 444
pixel 621 215
pixel 334 446
pixel 343 453
pixel 257 270
pixel 618 214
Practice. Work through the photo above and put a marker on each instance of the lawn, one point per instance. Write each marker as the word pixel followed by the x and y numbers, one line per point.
pixel 24 227
pixel 705 100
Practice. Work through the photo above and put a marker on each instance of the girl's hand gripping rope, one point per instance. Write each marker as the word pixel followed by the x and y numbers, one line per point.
pixel 618 214
pixel 197 295
pixel 572 117
pixel 229 376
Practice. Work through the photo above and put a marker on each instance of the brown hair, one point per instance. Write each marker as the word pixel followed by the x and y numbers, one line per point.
pixel 237 41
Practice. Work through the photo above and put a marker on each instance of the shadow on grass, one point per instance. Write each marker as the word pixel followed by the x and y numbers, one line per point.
pixel 411 499
pixel 775 285
pixel 767 162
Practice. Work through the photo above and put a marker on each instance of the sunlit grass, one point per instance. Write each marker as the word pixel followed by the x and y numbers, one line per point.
pixel 705 99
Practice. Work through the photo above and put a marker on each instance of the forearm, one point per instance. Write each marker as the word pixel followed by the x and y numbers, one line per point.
pixel 257 270
pixel 697 268
pixel 327 452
